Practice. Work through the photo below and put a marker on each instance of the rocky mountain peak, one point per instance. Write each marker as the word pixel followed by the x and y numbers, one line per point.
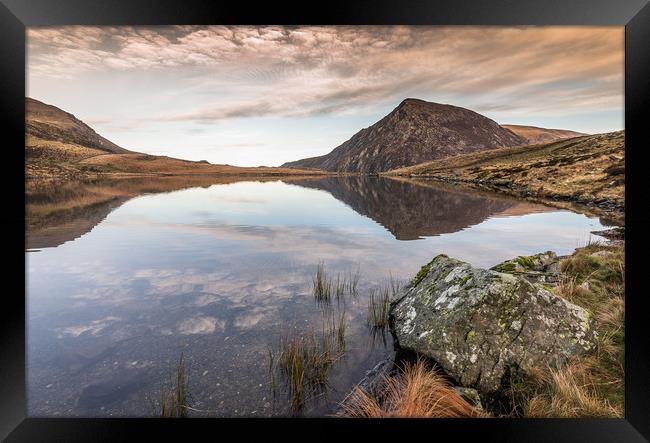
pixel 414 132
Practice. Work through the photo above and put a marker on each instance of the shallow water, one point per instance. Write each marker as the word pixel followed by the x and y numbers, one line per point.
pixel 219 271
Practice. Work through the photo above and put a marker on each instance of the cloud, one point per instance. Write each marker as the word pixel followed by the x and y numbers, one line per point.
pixel 306 71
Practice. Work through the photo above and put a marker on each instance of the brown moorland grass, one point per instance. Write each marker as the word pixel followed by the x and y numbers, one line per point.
pixel 591 386
pixel 416 392
pixel 589 168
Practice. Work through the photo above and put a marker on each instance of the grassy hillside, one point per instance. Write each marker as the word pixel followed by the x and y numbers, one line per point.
pixel 60 147
pixel 54 160
pixel 535 135
pixel 588 170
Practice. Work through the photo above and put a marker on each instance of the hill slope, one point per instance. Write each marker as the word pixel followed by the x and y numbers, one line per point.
pixel 588 170
pixel 414 132
pixel 48 122
pixel 535 135
pixel 58 146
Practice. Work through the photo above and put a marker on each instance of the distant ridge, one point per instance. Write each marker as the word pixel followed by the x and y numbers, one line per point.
pixel 415 131
pixel 535 135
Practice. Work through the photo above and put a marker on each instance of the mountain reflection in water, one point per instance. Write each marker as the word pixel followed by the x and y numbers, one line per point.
pixel 411 210
pixel 408 209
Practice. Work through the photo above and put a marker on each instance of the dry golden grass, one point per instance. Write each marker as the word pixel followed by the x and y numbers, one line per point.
pixel 587 168
pixel 53 150
pixel 51 159
pixel 147 164
pixel 416 392
pixel 570 392
pixel 591 386
pixel 534 134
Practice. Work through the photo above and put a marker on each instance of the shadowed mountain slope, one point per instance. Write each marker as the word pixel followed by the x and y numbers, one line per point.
pixel 414 132
pixel 411 211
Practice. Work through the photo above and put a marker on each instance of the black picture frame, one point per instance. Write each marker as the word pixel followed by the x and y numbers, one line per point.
pixel 15 15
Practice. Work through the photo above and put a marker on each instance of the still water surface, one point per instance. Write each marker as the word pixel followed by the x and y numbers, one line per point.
pixel 217 272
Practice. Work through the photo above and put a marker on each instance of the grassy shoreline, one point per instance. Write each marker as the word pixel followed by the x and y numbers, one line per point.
pixel 592 277
pixel 588 171
pixel 610 210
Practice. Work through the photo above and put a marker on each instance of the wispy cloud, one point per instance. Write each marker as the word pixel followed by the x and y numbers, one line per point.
pixel 304 71
pixel 189 77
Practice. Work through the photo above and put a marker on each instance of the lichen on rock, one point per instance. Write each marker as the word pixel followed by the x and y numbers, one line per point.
pixel 539 268
pixel 477 324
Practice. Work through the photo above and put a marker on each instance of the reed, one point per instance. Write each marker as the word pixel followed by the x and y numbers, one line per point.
pixel 340 287
pixel 340 332
pixel 395 286
pixel 173 401
pixel 353 281
pixel 322 285
pixel 378 305
pixel 305 360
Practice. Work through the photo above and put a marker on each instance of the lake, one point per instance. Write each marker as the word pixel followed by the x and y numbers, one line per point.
pixel 124 276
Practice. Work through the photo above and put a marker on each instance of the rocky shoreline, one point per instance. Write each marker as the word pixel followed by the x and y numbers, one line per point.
pixel 610 209
pixel 483 328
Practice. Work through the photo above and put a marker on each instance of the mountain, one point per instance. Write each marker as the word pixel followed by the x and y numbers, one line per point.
pixel 59 146
pixel 414 132
pixel 535 135
pixel 48 122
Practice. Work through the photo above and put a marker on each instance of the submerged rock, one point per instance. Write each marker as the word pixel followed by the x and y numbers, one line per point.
pixel 479 325
pixel 373 383
pixel 539 268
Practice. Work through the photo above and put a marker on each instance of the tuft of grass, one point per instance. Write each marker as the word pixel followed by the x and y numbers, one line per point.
pixel 568 288
pixel 322 285
pixel 589 386
pixel 173 401
pixel 271 371
pixel 304 361
pixel 340 332
pixel 416 392
pixel 378 305
pixel 291 363
pixel 572 391
pixel 505 267
pixel 325 287
pixel 353 281
pixel 395 286
pixel 525 260
pixel 340 287
pixel 424 270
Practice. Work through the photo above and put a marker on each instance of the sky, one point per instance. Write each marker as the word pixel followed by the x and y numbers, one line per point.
pixel 250 95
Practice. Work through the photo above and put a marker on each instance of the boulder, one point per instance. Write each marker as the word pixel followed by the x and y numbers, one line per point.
pixel 539 268
pixel 480 325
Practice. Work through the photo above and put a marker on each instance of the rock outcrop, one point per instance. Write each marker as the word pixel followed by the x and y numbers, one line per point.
pixel 539 268
pixel 480 325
